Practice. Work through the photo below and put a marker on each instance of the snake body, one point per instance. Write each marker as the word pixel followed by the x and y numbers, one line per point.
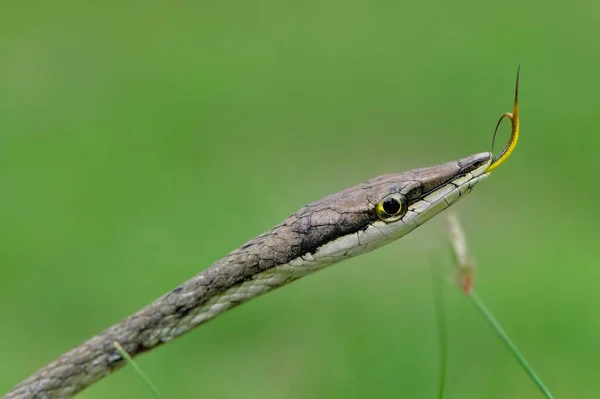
pixel 319 234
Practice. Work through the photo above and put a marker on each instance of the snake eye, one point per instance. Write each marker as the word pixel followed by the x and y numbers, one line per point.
pixel 391 208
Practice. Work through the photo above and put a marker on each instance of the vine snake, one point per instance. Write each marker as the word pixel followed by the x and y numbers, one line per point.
pixel 352 222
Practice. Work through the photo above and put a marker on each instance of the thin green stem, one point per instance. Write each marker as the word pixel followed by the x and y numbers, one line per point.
pixel 138 370
pixel 511 346
pixel 438 295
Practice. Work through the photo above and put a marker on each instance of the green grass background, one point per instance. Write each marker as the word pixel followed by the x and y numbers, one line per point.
pixel 141 141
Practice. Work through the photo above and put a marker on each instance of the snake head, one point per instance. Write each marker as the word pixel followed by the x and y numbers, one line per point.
pixel 383 209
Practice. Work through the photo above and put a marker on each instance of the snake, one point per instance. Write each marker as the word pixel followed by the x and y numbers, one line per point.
pixel 352 222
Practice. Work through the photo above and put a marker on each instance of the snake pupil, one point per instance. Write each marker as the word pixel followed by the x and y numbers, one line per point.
pixel 391 206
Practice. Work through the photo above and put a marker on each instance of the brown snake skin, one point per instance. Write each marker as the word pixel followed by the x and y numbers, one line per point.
pixel 185 307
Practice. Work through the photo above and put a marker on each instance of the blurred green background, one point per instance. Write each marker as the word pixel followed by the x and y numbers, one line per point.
pixel 141 141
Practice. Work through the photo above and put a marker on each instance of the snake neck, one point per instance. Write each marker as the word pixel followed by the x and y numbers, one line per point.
pixel 251 270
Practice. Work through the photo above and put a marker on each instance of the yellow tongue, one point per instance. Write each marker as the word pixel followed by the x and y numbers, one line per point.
pixel 514 136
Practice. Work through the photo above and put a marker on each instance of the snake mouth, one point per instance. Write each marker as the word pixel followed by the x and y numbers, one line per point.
pixel 472 170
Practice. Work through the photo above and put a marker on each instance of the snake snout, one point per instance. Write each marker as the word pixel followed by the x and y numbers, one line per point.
pixel 475 164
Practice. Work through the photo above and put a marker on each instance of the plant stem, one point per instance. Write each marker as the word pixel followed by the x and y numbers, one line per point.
pixel 138 369
pixel 438 296
pixel 511 346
